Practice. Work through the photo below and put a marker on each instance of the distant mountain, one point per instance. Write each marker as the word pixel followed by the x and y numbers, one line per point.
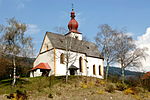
pixel 117 71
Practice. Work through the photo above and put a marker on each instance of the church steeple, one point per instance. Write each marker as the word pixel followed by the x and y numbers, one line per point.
pixel 73 27
pixel 73 24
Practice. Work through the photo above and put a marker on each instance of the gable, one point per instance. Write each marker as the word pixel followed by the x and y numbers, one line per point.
pixel 46 45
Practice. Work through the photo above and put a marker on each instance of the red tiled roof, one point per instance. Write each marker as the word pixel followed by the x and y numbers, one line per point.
pixel 42 66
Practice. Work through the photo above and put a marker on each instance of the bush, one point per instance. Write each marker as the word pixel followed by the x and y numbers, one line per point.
pixel 110 88
pixel 129 91
pixel 18 95
pixel 100 92
pixel 146 84
pixel 114 78
pixel 121 86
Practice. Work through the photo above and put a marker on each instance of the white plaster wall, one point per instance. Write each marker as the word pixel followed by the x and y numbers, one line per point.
pixel 47 57
pixel 95 61
pixel 74 35
pixel 61 68
pixel 46 43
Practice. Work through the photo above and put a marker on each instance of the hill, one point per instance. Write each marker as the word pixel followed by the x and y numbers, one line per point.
pixel 77 88
pixel 23 64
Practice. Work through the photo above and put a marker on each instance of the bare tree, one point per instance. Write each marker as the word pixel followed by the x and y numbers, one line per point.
pixel 15 42
pixel 60 30
pixel 105 41
pixel 127 53
pixel 69 43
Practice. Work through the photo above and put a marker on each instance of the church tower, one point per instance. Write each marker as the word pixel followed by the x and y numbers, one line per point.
pixel 73 27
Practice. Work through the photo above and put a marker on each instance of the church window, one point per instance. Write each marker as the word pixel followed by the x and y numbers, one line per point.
pixel 80 64
pixel 47 47
pixel 62 58
pixel 94 70
pixel 100 70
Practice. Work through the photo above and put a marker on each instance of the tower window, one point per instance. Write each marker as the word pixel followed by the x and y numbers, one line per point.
pixel 62 58
pixel 76 37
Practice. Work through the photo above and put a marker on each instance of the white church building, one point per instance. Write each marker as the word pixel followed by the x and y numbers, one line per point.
pixel 61 54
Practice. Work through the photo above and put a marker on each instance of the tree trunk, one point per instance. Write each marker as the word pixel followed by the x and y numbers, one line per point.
pixel 122 75
pixel 14 74
pixel 67 73
pixel 107 69
pixel 67 67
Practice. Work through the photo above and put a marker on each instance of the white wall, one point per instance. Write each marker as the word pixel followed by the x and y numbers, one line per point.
pixel 74 59
pixel 61 68
pixel 46 43
pixel 74 35
pixel 47 57
pixel 97 62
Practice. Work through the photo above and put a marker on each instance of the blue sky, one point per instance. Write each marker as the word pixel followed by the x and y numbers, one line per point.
pixel 45 15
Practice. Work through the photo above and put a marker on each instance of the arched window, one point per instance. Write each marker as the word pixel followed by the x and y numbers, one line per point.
pixel 100 70
pixel 62 58
pixel 94 70
pixel 80 64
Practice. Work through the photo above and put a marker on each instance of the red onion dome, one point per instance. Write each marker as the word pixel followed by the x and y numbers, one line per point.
pixel 73 24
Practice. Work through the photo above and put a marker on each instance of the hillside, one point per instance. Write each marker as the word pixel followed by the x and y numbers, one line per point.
pixel 77 88
pixel 23 64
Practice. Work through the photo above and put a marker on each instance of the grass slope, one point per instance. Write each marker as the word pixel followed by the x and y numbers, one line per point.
pixel 77 88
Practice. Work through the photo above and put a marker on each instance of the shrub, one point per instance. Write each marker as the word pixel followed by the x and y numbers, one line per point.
pixel 129 91
pixel 110 88
pixel 146 84
pixel 91 83
pixel 139 89
pixel 114 78
pixel 121 86
pixel 83 85
pixel 18 95
pixel 100 92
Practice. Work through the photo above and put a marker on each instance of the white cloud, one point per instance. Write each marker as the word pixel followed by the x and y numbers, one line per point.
pixel 144 41
pixel 32 29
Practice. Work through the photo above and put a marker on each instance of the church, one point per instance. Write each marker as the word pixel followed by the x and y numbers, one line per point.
pixel 68 54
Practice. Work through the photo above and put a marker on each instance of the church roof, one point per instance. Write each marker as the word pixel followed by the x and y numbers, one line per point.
pixel 61 41
pixel 42 66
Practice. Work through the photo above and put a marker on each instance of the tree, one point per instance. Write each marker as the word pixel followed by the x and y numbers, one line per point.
pixel 127 53
pixel 69 42
pixel 15 42
pixel 60 30
pixel 105 41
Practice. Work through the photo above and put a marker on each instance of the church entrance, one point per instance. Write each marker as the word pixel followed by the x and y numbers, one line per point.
pixel 45 72
pixel 73 70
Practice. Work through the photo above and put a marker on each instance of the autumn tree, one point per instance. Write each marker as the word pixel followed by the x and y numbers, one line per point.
pixel 15 42
pixel 105 41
